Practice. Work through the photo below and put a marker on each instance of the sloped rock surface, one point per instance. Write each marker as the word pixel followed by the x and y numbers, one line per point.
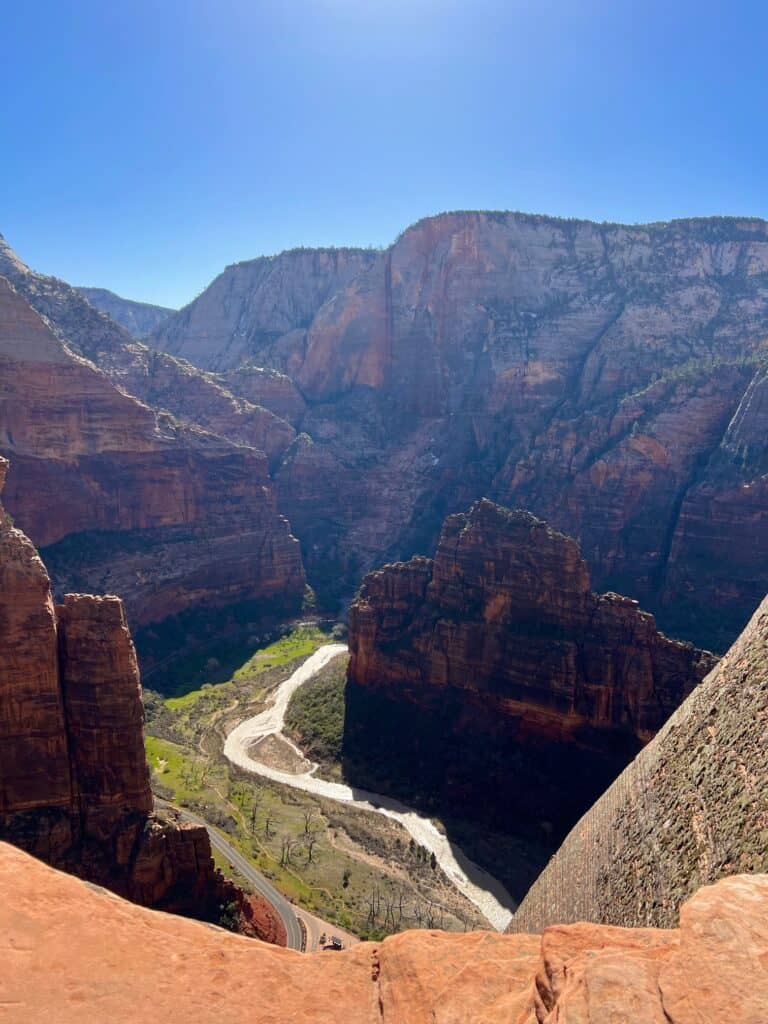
pixel 691 808
pixel 126 963
pixel 123 498
pixel 138 318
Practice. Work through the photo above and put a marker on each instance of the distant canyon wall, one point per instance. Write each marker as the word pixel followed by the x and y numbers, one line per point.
pixel 608 378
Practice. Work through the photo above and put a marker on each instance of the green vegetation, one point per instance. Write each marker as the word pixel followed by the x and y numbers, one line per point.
pixel 353 869
pixel 315 716
pixel 185 719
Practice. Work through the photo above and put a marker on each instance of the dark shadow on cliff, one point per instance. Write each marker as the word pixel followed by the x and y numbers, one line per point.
pixel 505 804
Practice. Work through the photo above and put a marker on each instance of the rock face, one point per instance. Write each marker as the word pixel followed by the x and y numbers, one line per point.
pixel 74 782
pixel 493 673
pixel 691 808
pixel 138 318
pixel 170 517
pixel 606 377
pixel 260 308
pixel 708 970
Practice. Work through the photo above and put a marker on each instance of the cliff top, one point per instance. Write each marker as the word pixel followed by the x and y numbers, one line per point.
pixel 104 956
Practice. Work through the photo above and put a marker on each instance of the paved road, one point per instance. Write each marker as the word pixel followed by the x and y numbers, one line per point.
pixel 258 881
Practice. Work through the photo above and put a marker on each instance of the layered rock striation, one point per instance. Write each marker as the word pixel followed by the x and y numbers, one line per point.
pixel 606 377
pixel 709 969
pixel 494 678
pixel 74 782
pixel 691 808
pixel 261 308
pixel 125 499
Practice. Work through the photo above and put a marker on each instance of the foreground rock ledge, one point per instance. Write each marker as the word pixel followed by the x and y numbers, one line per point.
pixel 74 953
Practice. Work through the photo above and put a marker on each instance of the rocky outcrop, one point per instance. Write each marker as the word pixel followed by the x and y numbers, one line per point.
pixel 258 311
pixel 172 518
pixel 691 808
pixel 138 318
pixel 74 781
pixel 708 970
pixel 494 677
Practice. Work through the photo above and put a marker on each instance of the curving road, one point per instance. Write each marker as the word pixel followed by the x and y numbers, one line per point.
pixel 487 894
pixel 258 881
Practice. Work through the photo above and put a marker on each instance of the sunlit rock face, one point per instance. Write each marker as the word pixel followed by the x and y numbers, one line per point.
pixel 74 781
pixel 705 971
pixel 494 679
pixel 608 378
pixel 261 308
pixel 125 499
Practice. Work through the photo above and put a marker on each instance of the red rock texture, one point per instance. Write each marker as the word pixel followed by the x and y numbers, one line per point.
pixel 35 755
pixel 74 781
pixel 118 961
pixel 495 674
pixel 690 809
pixel 588 372
pixel 171 518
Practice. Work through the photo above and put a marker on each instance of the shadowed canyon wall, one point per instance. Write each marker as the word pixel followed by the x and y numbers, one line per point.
pixel 691 808
pixel 493 680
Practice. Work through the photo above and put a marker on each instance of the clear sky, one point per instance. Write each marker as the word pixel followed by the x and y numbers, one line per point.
pixel 146 144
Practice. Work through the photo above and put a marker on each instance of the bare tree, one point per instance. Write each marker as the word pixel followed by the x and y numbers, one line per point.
pixel 309 843
pixel 285 849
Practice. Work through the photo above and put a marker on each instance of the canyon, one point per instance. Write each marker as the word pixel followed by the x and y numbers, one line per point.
pixel 124 499
pixel 608 378
pixel 481 679
pixel 74 782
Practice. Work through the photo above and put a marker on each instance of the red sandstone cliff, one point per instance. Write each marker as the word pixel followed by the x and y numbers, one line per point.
pixel 587 372
pixel 125 499
pixel 494 677
pixel 708 970
pixel 74 782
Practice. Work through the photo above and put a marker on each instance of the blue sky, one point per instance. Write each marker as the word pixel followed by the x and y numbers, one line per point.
pixel 145 145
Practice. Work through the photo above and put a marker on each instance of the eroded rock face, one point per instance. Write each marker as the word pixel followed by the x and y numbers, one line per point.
pixel 260 307
pixel 124 499
pixel 74 781
pixel 709 970
pixel 691 808
pixel 494 677
pixel 587 372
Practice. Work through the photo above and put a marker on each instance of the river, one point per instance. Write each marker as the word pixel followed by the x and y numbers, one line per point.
pixel 485 892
